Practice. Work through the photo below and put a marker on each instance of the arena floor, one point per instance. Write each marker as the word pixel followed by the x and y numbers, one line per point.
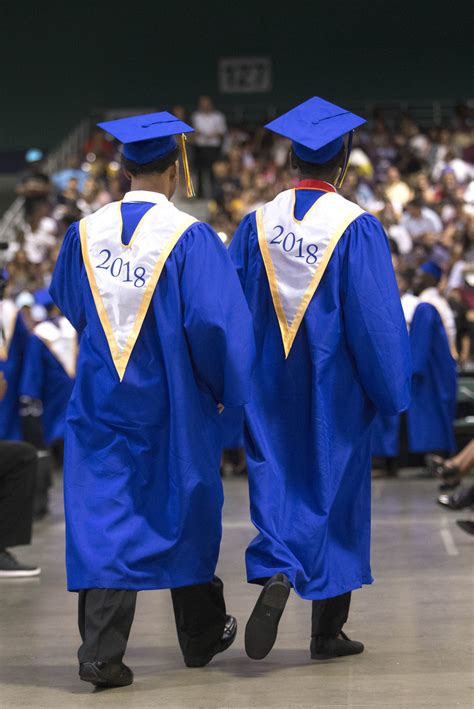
pixel 416 622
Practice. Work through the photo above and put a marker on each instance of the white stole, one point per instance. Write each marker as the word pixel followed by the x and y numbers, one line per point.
pixel 8 316
pixel 296 252
pixel 123 277
pixel 434 298
pixel 61 340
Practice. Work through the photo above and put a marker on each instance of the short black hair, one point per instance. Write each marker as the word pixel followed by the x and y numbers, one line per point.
pixel 159 166
pixel 311 169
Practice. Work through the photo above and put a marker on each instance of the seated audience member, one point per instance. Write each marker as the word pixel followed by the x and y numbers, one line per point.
pixel 420 220
pixel 18 463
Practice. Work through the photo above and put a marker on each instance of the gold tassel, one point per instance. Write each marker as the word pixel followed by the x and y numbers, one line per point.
pixel 187 175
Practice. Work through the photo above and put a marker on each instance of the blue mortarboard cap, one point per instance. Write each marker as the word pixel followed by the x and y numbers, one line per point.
pixel 147 137
pixel 432 268
pixel 317 128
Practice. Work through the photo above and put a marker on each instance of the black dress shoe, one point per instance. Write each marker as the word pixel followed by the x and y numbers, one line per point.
pixel 448 486
pixel 437 466
pixel 106 674
pixel 458 500
pixel 324 647
pixel 228 637
pixel 467 525
pixel 262 626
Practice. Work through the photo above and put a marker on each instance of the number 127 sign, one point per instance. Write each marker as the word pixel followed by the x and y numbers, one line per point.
pixel 245 75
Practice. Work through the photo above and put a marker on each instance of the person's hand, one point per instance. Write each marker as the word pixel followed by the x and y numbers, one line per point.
pixel 220 408
pixel 4 386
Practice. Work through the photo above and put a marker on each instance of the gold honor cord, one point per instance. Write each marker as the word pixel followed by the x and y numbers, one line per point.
pixel 345 167
pixel 187 175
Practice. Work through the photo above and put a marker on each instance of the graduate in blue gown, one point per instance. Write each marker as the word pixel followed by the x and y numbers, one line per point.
pixel 166 341
pixel 13 340
pixel 430 417
pixel 48 374
pixel 332 350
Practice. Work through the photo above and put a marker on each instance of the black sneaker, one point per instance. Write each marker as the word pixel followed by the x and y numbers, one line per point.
pixel 106 674
pixel 324 647
pixel 262 626
pixel 11 568
pixel 228 637
pixel 458 500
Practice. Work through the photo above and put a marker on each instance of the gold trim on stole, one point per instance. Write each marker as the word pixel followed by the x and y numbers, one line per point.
pixel 288 333
pixel 121 358
pixel 5 347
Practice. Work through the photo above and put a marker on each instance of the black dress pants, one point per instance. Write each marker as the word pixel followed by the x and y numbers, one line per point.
pixel 329 615
pixel 18 465
pixel 106 616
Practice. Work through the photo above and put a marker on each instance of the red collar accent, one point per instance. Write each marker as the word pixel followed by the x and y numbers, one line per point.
pixel 315 185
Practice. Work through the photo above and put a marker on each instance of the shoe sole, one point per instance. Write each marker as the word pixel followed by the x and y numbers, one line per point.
pixel 19 574
pixel 334 655
pixel 92 676
pixel 262 627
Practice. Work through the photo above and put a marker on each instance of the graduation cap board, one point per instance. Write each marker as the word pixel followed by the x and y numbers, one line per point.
pixel 317 128
pixel 149 137
pixel 297 252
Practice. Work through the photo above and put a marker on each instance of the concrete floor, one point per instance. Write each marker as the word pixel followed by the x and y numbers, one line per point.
pixel 416 622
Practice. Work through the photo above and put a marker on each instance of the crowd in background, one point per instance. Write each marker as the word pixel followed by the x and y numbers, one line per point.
pixel 419 182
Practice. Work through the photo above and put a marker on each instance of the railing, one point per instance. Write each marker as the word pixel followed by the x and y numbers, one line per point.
pixel 13 219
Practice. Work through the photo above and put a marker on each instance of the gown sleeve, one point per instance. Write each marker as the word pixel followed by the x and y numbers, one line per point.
pixel 32 376
pixel 238 248
pixel 65 287
pixel 217 320
pixel 375 326
pixel 421 335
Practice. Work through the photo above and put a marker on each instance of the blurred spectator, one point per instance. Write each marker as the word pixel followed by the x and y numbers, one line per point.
pixel 210 126
pixel 397 191
pixel 34 184
pixel 420 220
pixel 61 179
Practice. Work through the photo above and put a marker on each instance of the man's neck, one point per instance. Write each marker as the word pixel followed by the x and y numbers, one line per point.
pixel 150 185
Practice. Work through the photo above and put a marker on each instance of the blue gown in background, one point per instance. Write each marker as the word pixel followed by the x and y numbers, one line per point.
pixel 10 427
pixel 432 411
pixel 143 494
pixel 433 406
pixel 44 378
pixel 308 424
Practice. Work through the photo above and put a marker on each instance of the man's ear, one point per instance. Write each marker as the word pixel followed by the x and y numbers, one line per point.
pixel 293 164
pixel 127 174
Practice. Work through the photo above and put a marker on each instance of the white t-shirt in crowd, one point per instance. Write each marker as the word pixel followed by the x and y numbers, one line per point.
pixel 39 242
pixel 210 128
pixel 402 238
pixel 427 222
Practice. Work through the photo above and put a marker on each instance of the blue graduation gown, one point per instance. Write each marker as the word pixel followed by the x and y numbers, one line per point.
pixel 10 428
pixel 433 406
pixel 143 494
pixel 44 378
pixel 232 421
pixel 308 424
pixel 386 436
